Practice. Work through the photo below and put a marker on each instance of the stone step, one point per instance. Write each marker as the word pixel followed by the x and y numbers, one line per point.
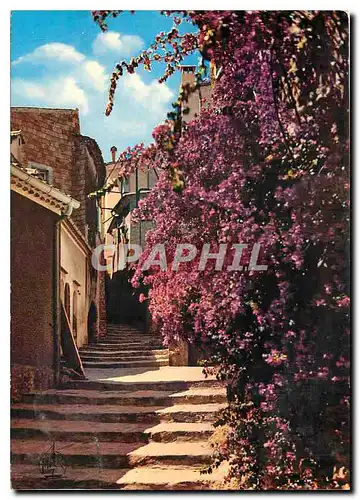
pixel 140 331
pixel 92 349
pixel 180 431
pixel 111 455
pixel 85 431
pixel 79 431
pixel 138 338
pixel 125 342
pixel 117 413
pixel 124 350
pixel 120 357
pixel 109 344
pixel 113 326
pixel 131 386
pixel 127 330
pixel 136 342
pixel 124 355
pixel 121 349
pixel 172 479
pixel 130 341
pixel 122 428
pixel 118 351
pixel 135 398
pixel 28 477
pixel 129 333
pixel 126 364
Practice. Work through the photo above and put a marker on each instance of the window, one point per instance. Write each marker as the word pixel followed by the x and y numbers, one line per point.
pixel 125 186
pixel 43 172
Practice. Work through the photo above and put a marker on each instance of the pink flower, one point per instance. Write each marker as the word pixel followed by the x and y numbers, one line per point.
pixel 343 302
pixel 275 358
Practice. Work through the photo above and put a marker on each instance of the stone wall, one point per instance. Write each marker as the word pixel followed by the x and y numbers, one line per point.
pixel 179 353
pixel 28 378
pixel 49 136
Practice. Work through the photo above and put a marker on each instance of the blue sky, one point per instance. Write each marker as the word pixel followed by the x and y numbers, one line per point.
pixel 61 59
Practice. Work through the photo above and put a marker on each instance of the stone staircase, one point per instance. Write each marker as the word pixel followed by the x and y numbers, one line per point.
pixel 124 347
pixel 125 428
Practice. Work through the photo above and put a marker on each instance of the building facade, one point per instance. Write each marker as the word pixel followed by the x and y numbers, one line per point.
pixel 121 231
pixel 36 214
pixel 47 145
pixel 118 225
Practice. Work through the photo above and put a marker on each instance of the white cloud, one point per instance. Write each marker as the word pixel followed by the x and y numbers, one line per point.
pixel 52 52
pixel 154 96
pixel 61 92
pixel 94 74
pixel 83 83
pixel 28 89
pixel 122 45
pixel 88 71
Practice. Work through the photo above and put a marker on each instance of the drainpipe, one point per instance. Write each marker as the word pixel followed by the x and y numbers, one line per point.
pixel 137 196
pixel 139 193
pixel 136 186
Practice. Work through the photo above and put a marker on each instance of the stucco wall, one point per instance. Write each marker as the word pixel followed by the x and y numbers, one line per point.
pixel 32 302
pixel 74 272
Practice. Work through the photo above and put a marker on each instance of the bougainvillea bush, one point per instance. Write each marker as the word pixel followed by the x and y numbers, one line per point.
pixel 267 162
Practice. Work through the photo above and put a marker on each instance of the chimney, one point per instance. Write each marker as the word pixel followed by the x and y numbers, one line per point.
pixel 113 150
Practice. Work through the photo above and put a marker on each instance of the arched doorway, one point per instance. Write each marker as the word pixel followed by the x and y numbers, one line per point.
pixel 74 314
pixel 92 318
pixel 67 300
pixel 62 286
pixel 122 300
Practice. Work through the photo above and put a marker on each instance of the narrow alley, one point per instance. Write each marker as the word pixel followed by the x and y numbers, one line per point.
pixel 180 262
